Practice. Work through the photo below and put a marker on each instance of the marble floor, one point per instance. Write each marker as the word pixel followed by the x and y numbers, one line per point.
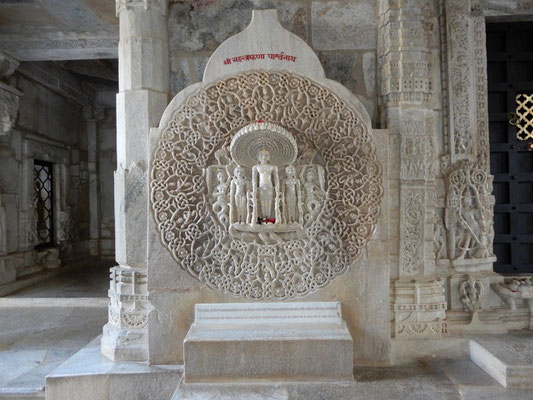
pixel 45 324
pixel 91 281
pixel 35 341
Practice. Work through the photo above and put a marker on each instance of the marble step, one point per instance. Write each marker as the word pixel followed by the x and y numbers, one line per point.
pixel 507 358
pixel 445 379
pixel 22 302
pixel 22 393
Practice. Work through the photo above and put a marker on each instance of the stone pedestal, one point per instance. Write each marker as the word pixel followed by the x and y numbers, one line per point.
pixel 268 341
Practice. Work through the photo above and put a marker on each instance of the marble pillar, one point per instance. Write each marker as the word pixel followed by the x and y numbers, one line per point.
pixel 9 105
pixel 412 110
pixel 93 115
pixel 142 98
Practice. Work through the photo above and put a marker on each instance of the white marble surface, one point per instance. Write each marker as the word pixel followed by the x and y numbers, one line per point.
pixel 436 380
pixel 267 38
pixel 88 375
pixel 35 341
pixel 507 358
pixel 301 341
pixel 268 313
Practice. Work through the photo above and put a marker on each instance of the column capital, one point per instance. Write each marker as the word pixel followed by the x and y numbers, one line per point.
pixel 161 5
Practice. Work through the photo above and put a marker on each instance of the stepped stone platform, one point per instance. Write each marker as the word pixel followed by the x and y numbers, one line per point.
pixel 507 358
pixel 268 341
pixel 435 380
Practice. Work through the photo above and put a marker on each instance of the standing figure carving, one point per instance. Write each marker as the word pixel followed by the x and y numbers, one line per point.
pixel 468 227
pixel 468 206
pixel 265 188
pixel 239 193
pixel 314 192
pixel 220 193
pixel 292 195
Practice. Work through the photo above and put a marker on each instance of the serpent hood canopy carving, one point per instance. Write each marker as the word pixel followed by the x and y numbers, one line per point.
pixel 322 211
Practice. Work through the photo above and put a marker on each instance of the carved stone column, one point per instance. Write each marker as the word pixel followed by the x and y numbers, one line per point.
pixel 468 203
pixel 9 105
pixel 142 98
pixel 411 104
pixel 93 114
pixel 461 82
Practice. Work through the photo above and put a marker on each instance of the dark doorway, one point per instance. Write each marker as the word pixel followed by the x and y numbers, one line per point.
pixel 510 74
pixel 44 202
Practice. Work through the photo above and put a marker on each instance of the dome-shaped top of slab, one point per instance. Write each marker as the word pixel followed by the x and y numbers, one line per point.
pixel 263 45
pixel 249 141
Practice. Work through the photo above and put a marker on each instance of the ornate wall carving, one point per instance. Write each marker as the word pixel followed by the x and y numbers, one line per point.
pixel 412 231
pixel 460 80
pixel 469 214
pixel 419 309
pixel 328 132
pixel 128 299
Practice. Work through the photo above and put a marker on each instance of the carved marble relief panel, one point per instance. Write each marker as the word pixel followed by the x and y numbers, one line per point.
pixel 412 203
pixel 469 214
pixel 265 185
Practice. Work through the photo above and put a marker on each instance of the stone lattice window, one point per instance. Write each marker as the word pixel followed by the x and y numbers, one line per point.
pixel 44 202
pixel 523 119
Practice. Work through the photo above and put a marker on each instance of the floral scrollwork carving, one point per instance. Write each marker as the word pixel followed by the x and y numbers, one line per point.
pixel 330 137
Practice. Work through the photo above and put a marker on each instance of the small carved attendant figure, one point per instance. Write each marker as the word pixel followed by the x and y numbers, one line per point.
pixel 219 193
pixel 266 190
pixel 292 194
pixel 313 192
pixel 468 227
pixel 240 187
pixel 439 242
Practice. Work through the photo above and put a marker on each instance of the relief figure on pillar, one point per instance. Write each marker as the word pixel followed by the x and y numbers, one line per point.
pixel 467 227
pixel 468 215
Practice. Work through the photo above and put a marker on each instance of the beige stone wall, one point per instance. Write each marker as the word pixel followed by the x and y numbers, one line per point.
pixel 342 33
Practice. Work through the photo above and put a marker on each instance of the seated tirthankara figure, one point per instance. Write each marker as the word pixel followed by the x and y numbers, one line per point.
pixel 262 202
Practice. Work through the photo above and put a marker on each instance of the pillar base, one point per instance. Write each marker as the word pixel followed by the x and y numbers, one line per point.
pixel 124 344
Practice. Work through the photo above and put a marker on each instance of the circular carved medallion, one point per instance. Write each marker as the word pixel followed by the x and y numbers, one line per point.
pixel 336 159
